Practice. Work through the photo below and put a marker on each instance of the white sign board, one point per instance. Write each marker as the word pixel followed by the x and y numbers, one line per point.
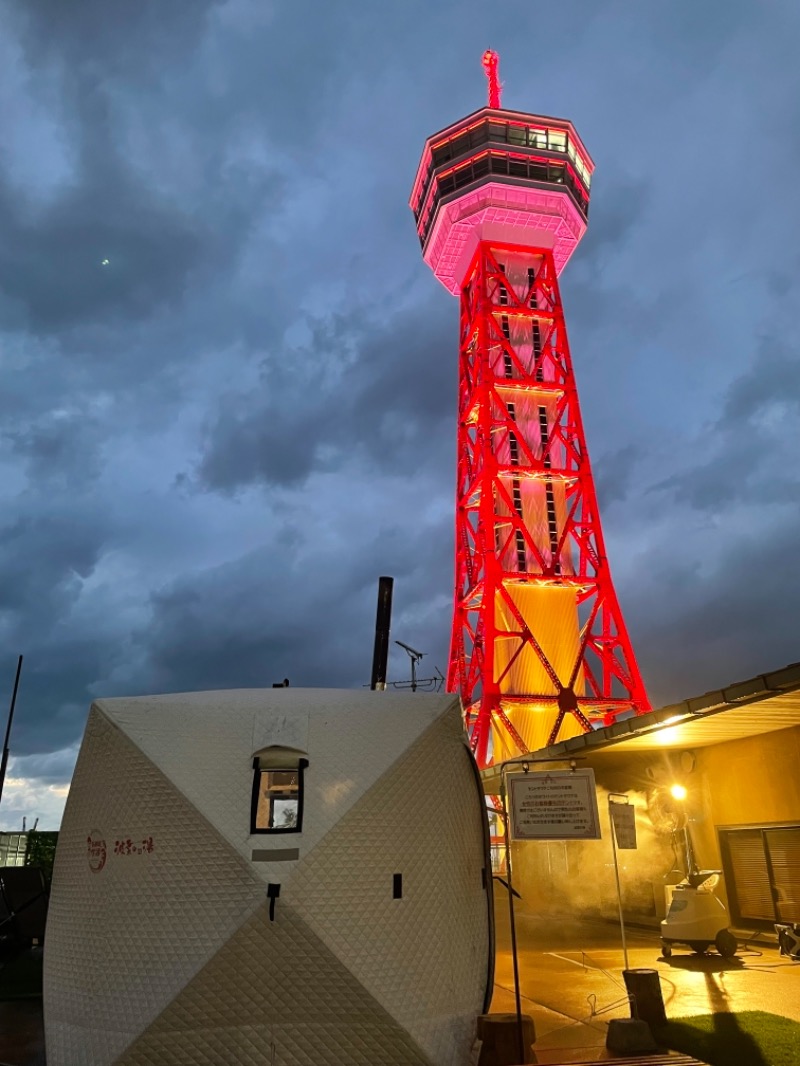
pixel 554 805
pixel 623 818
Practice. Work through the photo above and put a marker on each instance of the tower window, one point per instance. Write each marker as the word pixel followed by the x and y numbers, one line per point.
pixel 532 286
pixel 277 804
pixel 503 299
pixel 537 138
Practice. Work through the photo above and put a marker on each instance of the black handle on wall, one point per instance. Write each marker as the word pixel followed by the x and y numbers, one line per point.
pixel 273 891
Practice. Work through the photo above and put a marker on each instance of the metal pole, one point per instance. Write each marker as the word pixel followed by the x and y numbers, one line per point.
pixel 524 761
pixel 507 826
pixel 4 761
pixel 619 888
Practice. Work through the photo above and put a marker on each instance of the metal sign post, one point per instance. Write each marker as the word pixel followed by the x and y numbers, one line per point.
pixel 561 805
pixel 517 1001
pixel 622 815
pixel 554 805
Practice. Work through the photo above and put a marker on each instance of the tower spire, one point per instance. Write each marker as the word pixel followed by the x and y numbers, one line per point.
pixel 490 63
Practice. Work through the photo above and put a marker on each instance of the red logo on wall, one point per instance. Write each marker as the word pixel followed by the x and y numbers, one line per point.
pixel 96 848
pixel 133 847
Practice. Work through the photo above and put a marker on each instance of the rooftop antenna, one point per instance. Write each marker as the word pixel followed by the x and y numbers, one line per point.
pixel 490 63
pixel 415 657
pixel 431 684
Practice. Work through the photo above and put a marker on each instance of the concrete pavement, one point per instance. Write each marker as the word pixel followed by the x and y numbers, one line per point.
pixel 571 983
pixel 571 979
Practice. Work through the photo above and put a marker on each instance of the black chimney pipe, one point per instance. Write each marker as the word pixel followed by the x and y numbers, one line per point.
pixel 380 657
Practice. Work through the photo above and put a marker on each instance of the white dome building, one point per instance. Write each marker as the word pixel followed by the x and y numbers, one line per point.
pixel 279 876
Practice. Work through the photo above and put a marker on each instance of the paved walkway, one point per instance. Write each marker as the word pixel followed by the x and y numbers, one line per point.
pixel 571 980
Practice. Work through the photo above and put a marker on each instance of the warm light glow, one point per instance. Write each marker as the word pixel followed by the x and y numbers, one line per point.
pixel 678 792
pixel 670 736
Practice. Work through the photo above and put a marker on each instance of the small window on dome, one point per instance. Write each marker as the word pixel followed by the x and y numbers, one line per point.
pixel 277 805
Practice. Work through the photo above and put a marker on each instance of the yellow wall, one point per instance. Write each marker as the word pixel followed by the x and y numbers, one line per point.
pixel 576 878
pixel 742 782
pixel 746 782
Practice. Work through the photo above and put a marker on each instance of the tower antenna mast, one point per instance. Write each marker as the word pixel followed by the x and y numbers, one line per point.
pixel 490 63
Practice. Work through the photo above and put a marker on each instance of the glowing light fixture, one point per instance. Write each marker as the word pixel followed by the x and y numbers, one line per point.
pixel 670 736
pixel 678 792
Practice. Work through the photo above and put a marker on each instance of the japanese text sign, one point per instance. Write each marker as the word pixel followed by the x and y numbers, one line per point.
pixel 557 805
pixel 623 818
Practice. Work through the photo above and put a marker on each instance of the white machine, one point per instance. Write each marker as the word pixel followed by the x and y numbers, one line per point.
pixel 697 917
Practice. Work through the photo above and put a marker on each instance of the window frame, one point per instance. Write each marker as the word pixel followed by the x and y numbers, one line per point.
pixel 261 765
pixel 729 870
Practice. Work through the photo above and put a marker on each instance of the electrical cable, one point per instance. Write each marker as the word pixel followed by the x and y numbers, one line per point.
pixel 747 945
pixel 675 855
pixel 586 1020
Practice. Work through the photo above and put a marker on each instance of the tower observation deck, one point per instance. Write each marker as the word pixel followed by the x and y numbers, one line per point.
pixel 539 649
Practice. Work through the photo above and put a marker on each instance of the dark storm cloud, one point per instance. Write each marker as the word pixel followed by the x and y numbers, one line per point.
pixel 104 249
pixel 62 447
pixel 52 768
pixel 42 563
pixel 753 443
pixel 110 246
pixel 772 380
pixel 59 672
pixel 617 213
pixel 613 475
pixel 284 65
pixel 149 35
pixel 47 556
pixel 383 391
pixel 311 619
pixel 265 332
pixel 734 616
pixel 608 312
pixel 135 230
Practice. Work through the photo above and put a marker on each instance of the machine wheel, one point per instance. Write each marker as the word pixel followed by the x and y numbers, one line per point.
pixel 666 950
pixel 726 943
pixel 700 947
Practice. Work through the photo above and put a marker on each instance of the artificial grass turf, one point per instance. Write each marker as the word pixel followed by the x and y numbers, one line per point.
pixel 749 1038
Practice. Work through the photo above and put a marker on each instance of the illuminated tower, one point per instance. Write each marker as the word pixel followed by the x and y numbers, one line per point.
pixel 539 647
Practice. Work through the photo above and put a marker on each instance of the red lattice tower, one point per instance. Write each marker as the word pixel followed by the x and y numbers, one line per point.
pixel 539 646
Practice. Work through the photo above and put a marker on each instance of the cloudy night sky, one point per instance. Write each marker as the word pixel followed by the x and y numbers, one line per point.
pixel 229 380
